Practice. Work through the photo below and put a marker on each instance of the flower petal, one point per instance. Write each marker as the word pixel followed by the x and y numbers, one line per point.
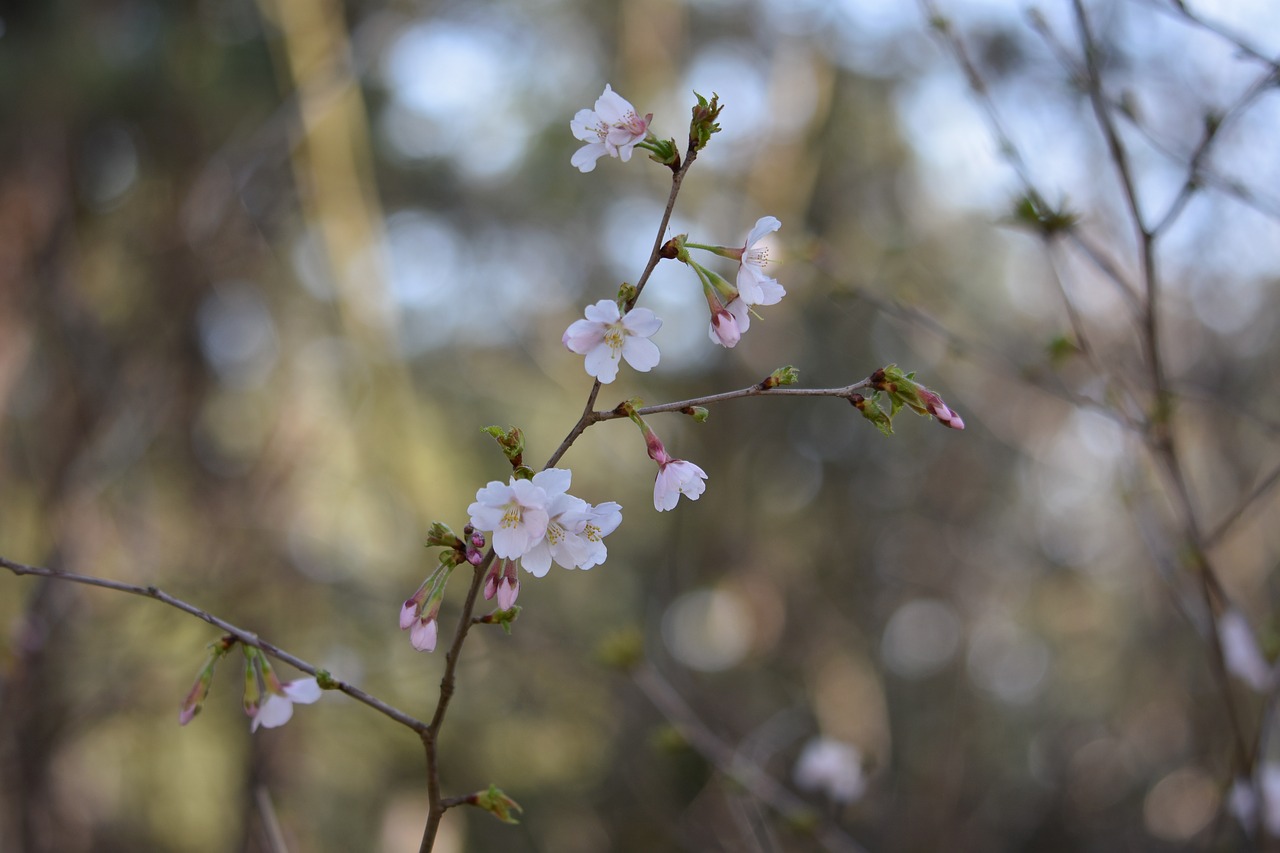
pixel 602 363
pixel 605 311
pixel 274 712
pixel 642 322
pixel 304 691
pixel 641 353
pixel 763 226
pixel 423 635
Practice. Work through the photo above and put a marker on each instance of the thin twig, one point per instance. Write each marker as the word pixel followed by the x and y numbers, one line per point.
pixel 1160 436
pixel 241 635
pixel 1228 521
pixel 728 761
pixel 846 392
pixel 430 738
pixel 270 820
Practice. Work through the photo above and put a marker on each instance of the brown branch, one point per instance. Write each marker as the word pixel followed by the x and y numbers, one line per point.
pixel 430 737
pixel 241 635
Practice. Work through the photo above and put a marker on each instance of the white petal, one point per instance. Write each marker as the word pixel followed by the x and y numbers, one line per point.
pixel 771 292
pixel 537 560
pixel 529 494
pixel 304 691
pixel 604 312
pixel 584 124
pixel 642 322
pixel 640 353
pixel 582 336
pixel 763 226
pixel 553 481
pixel 666 489
pixel 612 107
pixel 276 711
pixel 602 363
pixel 749 286
pixel 584 159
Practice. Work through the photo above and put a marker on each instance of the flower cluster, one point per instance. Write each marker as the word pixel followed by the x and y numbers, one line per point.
pixel 537 522
pixel 267 700
pixel 534 522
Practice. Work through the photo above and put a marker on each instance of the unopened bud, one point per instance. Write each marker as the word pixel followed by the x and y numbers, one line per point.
pixel 496 803
pixel 441 534
pixel 782 376
pixel 511 440
pixel 703 123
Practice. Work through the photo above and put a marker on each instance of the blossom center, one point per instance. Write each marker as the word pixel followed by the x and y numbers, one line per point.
pixel 632 122
pixel 513 516
pixel 591 532
pixel 554 533
pixel 757 257
pixel 601 130
pixel 615 336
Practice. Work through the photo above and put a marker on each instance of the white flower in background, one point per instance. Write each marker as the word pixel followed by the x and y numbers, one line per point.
pixel 754 286
pixel 831 767
pixel 613 128
pixel 516 513
pixel 1241 654
pixel 606 336
pixel 1242 801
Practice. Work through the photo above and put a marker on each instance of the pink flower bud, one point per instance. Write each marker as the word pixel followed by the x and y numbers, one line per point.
pixel 936 407
pixel 422 636
pixel 724 328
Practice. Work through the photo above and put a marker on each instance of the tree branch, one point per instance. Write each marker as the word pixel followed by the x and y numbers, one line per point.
pixel 241 635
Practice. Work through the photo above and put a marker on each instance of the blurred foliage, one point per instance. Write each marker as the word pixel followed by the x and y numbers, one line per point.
pixel 266 270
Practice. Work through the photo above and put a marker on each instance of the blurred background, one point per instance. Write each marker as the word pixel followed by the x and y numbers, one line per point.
pixel 266 269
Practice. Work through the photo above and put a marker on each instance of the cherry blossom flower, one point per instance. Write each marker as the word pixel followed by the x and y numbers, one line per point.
pixel 278 707
pixel 607 336
pixel 516 513
pixel 567 518
pixel 832 767
pixel 613 128
pixel 676 477
pixel 755 287
pixel 602 520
